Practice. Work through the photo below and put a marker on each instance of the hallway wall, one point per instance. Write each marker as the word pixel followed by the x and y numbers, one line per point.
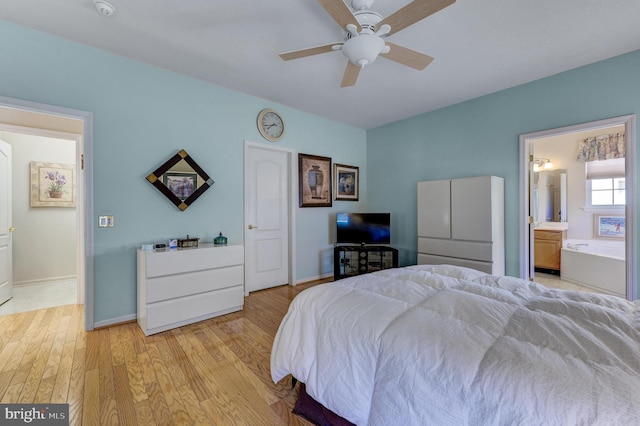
pixel 44 242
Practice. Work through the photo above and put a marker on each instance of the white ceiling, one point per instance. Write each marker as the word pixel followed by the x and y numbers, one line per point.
pixel 479 47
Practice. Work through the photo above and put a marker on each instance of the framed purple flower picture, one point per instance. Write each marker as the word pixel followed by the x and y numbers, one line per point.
pixel 53 184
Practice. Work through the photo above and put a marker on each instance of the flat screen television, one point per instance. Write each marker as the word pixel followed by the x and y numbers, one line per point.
pixel 363 228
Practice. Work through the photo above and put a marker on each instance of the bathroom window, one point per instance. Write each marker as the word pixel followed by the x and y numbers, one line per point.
pixel 607 192
pixel 605 182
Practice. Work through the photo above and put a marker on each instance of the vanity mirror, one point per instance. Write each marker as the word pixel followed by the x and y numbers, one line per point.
pixel 550 197
pixel 181 180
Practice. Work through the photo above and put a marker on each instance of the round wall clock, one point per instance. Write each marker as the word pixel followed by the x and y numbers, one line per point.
pixel 270 124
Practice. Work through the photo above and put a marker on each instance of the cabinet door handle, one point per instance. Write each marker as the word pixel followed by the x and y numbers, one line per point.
pixel 252 227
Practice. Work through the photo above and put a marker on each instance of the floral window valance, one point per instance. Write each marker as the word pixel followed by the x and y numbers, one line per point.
pixel 603 147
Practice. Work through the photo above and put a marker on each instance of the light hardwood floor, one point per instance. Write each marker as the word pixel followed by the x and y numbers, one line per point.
pixel 209 373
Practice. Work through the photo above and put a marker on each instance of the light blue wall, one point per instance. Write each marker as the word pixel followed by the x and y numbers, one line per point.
pixel 481 137
pixel 142 116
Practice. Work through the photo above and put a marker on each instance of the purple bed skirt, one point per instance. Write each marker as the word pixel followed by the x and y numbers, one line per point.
pixel 315 412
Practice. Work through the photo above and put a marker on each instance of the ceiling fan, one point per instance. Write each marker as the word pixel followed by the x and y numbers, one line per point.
pixel 365 31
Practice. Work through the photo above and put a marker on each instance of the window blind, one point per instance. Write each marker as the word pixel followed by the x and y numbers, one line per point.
pixel 605 169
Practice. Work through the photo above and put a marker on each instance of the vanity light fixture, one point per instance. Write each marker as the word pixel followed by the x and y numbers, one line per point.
pixel 542 163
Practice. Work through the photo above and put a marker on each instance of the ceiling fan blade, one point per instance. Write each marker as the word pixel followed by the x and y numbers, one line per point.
pixel 350 75
pixel 287 56
pixel 408 57
pixel 412 13
pixel 340 13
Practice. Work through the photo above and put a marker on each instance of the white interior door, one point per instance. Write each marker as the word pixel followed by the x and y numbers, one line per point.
pixel 267 200
pixel 6 228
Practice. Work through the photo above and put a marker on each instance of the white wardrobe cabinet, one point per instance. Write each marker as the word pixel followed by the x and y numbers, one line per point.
pixel 183 286
pixel 461 222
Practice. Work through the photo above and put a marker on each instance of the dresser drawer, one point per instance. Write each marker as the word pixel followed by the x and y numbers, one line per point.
pixel 172 262
pixel 182 310
pixel 169 287
pixel 481 251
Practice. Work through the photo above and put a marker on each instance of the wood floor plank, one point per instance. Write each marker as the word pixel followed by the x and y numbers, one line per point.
pixel 92 351
pixel 45 390
pixel 75 396
pixel 134 372
pixel 144 416
pixel 53 361
pixel 266 392
pixel 123 397
pixel 194 380
pixel 5 381
pixel 63 375
pixel 159 408
pixel 177 375
pixel 148 375
pixel 91 398
pixel 192 404
pixel 212 372
pixel 12 393
pixel 105 365
pixel 109 411
pixel 36 372
pixel 171 394
pixel 7 353
pixel 117 355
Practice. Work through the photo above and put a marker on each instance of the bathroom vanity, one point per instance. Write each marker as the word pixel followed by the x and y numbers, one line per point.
pixel 547 247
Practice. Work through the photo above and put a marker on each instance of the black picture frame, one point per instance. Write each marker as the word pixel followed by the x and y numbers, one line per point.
pixel 314 181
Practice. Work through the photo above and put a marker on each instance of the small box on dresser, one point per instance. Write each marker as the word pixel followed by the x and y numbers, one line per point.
pixel 182 286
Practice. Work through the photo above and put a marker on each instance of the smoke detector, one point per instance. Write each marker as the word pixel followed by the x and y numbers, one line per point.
pixel 104 8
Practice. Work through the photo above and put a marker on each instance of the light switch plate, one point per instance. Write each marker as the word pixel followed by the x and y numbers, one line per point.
pixel 105 221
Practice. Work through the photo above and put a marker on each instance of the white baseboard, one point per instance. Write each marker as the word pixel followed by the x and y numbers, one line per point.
pixel 314 278
pixel 49 280
pixel 115 321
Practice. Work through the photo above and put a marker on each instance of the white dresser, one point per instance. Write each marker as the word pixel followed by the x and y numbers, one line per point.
pixel 182 286
pixel 461 222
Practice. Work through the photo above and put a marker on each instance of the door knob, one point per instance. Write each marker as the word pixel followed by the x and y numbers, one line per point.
pixel 11 229
pixel 253 227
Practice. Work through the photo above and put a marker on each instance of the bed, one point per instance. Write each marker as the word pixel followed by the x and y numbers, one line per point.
pixel 448 345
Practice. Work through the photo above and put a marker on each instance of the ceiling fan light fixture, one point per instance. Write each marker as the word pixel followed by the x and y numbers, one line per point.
pixel 364 49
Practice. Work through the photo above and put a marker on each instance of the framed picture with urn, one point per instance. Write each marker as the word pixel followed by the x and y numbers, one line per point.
pixel 314 180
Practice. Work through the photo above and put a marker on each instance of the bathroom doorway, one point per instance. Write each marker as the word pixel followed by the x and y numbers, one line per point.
pixel 548 226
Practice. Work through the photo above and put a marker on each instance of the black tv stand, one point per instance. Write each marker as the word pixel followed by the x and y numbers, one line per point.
pixel 355 260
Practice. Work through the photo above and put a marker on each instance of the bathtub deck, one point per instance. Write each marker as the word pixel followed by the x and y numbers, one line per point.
pixel 554 281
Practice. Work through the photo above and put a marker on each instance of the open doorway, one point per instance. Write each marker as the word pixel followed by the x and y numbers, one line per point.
pixel 44 237
pixel 560 229
pixel 66 126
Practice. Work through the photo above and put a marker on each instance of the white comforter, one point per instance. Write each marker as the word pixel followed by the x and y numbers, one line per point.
pixel 447 345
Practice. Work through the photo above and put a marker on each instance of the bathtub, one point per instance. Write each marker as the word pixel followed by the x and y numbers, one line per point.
pixel 597 264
